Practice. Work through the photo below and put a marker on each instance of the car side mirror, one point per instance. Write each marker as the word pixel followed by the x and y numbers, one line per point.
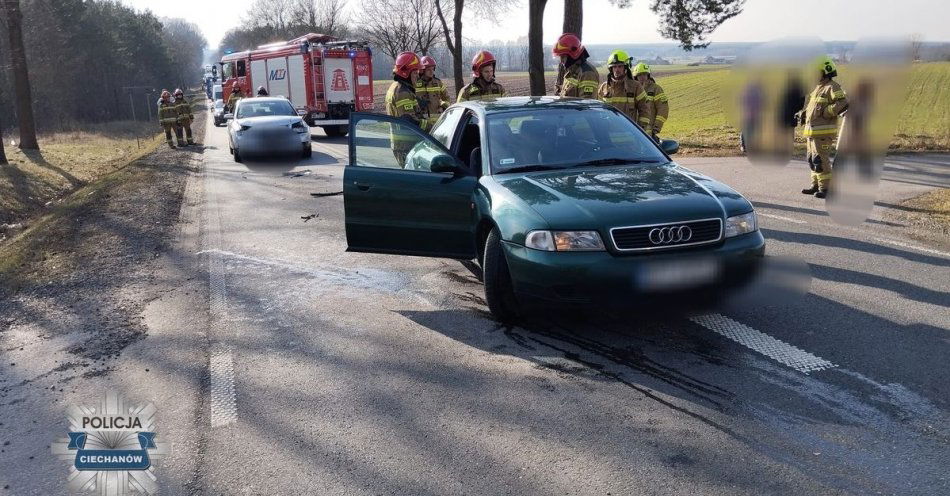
pixel 670 146
pixel 446 163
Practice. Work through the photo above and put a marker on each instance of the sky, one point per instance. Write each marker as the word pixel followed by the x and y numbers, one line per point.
pixel 761 20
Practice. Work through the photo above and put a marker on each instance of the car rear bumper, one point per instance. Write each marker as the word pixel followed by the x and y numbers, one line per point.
pixel 603 278
pixel 255 143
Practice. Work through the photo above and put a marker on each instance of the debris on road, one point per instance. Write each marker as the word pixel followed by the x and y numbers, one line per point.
pixel 308 217
pixel 299 173
pixel 332 193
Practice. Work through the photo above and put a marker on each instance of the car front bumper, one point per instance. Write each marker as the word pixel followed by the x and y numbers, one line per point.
pixel 605 278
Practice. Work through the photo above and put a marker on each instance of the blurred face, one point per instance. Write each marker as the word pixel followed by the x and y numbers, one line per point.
pixel 414 76
pixel 488 72
pixel 563 59
pixel 643 78
pixel 617 71
pixel 429 72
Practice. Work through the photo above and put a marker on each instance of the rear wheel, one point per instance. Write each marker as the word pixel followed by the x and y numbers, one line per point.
pixel 499 293
pixel 336 131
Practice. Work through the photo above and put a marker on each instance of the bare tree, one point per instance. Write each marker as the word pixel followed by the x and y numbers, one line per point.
pixel 536 46
pixel 320 16
pixel 21 75
pixel 453 9
pixel 278 14
pixel 916 43
pixel 389 26
pixel 425 25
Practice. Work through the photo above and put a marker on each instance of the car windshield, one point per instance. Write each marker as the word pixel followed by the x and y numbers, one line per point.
pixel 219 104
pixel 250 108
pixel 566 137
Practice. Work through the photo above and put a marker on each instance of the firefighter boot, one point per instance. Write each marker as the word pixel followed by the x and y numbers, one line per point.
pixel 179 137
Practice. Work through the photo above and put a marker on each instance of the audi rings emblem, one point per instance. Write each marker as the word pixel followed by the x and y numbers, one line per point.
pixel 670 234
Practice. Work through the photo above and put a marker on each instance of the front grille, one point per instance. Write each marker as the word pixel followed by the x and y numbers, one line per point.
pixel 637 238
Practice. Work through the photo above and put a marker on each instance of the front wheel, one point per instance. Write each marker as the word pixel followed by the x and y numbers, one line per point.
pixel 237 156
pixel 307 152
pixel 336 131
pixel 499 293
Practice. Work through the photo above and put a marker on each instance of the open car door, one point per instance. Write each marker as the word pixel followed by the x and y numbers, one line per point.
pixel 404 193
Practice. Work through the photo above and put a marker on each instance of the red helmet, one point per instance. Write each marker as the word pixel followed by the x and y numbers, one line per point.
pixel 406 62
pixel 481 59
pixel 568 44
pixel 427 62
pixel 166 95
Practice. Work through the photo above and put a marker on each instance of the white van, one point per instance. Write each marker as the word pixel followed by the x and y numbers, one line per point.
pixel 218 92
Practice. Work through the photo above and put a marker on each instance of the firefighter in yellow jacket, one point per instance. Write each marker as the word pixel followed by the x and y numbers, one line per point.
pixel 236 94
pixel 620 89
pixel 484 85
pixel 168 117
pixel 657 107
pixel 580 78
pixel 820 117
pixel 185 118
pixel 432 92
pixel 402 101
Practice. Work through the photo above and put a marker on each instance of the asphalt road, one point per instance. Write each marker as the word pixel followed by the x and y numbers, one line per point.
pixel 289 366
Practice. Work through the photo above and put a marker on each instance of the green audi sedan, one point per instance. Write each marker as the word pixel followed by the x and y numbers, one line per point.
pixel 565 201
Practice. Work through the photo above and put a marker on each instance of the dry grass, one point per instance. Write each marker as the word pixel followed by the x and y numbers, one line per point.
pixel 930 210
pixel 68 160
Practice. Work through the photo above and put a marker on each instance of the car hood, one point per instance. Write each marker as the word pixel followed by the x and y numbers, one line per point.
pixel 269 121
pixel 611 197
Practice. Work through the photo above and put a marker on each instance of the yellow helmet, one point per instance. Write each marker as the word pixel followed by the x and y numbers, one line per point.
pixel 641 68
pixel 827 66
pixel 618 57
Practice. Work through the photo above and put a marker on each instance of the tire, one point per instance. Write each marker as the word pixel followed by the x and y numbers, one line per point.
pixel 237 156
pixel 499 293
pixel 336 131
pixel 307 152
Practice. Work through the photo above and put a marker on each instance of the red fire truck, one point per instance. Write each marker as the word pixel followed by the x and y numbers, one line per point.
pixel 324 78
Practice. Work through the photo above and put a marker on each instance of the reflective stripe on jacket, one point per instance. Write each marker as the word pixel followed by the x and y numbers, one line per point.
pixel 183 108
pixel 479 90
pixel 625 94
pixel 167 113
pixel 825 103
pixel 580 80
pixel 434 96
pixel 401 102
pixel 657 108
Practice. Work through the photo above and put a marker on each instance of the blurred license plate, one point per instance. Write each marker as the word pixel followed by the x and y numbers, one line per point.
pixel 678 274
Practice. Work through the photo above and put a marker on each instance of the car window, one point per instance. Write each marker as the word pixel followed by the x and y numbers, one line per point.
pixel 444 128
pixel 251 108
pixel 392 145
pixel 562 137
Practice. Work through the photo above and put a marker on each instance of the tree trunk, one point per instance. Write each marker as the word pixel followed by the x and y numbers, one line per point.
pixel 536 46
pixel 457 55
pixel 21 78
pixel 573 23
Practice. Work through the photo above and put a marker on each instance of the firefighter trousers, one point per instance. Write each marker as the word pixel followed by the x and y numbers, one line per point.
pixel 168 133
pixel 820 149
pixel 184 127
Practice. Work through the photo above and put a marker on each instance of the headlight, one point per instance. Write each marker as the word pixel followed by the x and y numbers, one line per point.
pixel 740 224
pixel 299 127
pixel 564 241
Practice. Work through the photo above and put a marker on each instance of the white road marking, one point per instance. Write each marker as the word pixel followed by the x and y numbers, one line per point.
pixel 779 217
pixel 223 400
pixel 220 363
pixel 779 351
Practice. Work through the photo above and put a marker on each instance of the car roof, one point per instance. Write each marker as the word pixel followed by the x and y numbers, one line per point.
pixel 520 103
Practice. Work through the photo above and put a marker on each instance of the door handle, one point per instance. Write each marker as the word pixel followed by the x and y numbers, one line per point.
pixel 362 186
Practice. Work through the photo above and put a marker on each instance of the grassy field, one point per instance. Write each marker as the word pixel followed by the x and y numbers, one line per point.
pixel 67 161
pixel 698 121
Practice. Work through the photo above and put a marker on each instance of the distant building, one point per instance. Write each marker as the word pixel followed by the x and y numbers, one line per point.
pixel 658 61
pixel 715 60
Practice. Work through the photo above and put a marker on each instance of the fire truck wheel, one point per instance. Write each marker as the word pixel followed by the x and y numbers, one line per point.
pixel 336 131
